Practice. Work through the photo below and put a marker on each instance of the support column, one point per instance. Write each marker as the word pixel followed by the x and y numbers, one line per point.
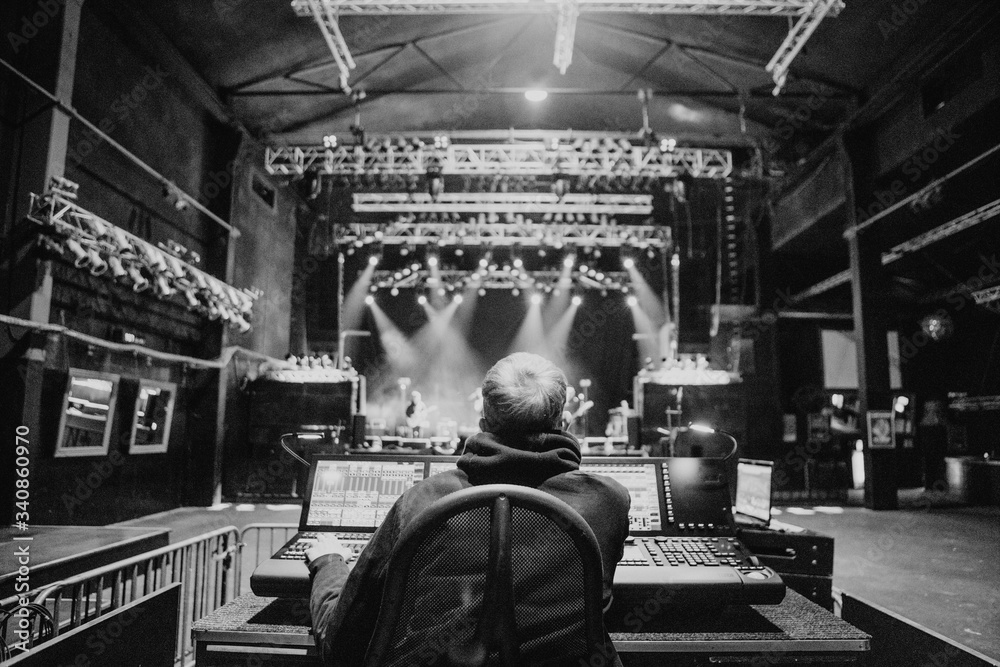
pixel 49 58
pixel 47 140
pixel 870 301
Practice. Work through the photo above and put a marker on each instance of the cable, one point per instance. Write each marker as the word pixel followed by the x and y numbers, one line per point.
pixel 704 430
pixel 220 363
pixel 288 449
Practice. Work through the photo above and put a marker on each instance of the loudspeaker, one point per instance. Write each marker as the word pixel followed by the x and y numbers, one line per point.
pixel 358 431
pixel 634 425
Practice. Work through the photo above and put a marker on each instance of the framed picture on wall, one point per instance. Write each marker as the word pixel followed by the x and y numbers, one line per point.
pixel 154 410
pixel 88 409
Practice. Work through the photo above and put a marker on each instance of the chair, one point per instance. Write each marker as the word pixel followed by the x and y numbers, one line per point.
pixel 492 575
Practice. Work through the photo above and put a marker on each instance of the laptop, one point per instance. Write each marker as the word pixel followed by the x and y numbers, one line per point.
pixel 348 496
pixel 753 493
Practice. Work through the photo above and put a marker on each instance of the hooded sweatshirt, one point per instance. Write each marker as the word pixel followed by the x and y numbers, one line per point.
pixel 345 603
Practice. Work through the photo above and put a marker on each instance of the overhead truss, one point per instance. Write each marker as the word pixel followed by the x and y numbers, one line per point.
pixel 503 202
pixel 497 277
pixel 594 158
pixel 809 15
pixel 526 234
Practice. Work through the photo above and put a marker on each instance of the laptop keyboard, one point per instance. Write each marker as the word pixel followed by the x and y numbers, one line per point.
pixel 297 550
pixel 689 551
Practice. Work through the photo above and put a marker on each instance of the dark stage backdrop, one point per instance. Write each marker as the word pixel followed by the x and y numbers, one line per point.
pixel 450 364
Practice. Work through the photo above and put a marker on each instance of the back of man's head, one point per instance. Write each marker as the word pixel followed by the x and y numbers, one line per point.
pixel 523 393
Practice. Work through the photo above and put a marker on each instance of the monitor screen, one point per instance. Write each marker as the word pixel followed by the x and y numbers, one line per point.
pixel 640 481
pixel 753 489
pixel 358 494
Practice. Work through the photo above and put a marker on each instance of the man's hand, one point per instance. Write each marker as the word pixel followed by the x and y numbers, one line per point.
pixel 327 544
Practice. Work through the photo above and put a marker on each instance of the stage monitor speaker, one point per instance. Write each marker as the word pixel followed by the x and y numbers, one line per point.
pixel 358 431
pixel 634 425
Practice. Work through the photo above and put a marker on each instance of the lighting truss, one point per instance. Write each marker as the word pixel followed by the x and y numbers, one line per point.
pixel 526 233
pixel 503 202
pixel 591 158
pixel 797 37
pixel 495 277
pixel 103 248
pixel 810 14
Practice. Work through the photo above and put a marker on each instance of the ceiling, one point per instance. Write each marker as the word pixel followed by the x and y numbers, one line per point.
pixel 469 71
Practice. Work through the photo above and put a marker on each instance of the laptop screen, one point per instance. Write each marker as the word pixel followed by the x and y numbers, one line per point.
pixel 358 494
pixel 753 489
pixel 355 492
pixel 640 481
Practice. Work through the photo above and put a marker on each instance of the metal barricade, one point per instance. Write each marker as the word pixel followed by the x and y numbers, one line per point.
pixel 258 542
pixel 206 567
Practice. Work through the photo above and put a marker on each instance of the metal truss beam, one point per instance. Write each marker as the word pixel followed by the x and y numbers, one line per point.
pixel 797 37
pixel 503 202
pixel 810 14
pixel 919 242
pixel 690 7
pixel 526 234
pixel 94 244
pixel 499 278
pixel 535 158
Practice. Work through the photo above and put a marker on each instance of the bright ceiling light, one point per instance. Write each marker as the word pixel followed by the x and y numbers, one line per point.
pixel 536 95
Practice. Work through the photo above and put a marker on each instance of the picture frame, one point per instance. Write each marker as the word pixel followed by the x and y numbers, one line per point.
pixel 152 417
pixel 88 413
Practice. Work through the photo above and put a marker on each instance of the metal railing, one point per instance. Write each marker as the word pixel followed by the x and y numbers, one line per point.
pixel 206 566
pixel 258 542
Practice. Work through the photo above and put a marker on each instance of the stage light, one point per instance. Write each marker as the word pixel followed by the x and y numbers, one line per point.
pixel 442 291
pixel 515 292
pixel 432 260
pixel 369 299
pixel 373 260
pixel 568 261
pixel 483 262
pixel 632 301
pixel 394 291
pixel 536 95
pixel 536 299
pixel 422 300
pixel 675 261
pixel 628 262
pixel 330 141
pixel 482 291
pixel 583 268
pixel 577 300
pixel 458 298
pixel 404 251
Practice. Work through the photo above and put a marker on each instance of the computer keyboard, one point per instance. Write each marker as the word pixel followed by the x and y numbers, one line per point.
pixel 706 552
pixel 297 550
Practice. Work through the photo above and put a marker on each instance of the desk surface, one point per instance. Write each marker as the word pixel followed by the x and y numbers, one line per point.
pixel 795 625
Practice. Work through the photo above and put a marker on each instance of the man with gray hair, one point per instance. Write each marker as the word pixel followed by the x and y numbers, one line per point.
pixel 520 443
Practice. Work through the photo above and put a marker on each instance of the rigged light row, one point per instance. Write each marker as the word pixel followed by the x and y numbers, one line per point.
pixel 93 243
